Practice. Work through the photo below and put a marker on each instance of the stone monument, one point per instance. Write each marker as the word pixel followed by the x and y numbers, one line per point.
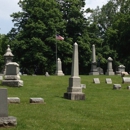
pixel 5 120
pixel 59 71
pixel 121 68
pixel 74 91
pixel 47 74
pixel 109 67
pixel 12 77
pixel 93 70
pixel 8 56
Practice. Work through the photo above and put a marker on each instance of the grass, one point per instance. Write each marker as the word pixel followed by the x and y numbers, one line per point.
pixel 103 108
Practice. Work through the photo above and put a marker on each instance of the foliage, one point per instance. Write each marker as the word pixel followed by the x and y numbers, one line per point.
pixel 34 35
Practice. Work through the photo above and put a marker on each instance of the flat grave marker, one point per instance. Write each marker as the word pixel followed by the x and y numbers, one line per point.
pixel 125 79
pixel 96 80
pixel 108 81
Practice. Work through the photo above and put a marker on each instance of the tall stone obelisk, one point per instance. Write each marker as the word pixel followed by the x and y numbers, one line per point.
pixel 93 70
pixel 74 91
pixel 59 71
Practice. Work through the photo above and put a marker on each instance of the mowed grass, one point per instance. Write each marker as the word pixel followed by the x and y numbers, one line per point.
pixel 103 108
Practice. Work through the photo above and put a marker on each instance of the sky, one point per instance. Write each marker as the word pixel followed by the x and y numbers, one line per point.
pixel 8 7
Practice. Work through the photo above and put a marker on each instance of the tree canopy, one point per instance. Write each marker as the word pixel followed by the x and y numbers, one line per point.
pixel 33 41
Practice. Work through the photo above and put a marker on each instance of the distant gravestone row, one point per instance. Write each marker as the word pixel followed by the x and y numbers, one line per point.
pixel 98 70
pixel 97 81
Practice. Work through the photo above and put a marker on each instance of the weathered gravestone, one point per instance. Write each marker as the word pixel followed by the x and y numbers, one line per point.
pixel 13 100
pixel 96 80
pixel 108 81
pixel 100 70
pixel 121 68
pixel 93 70
pixel 109 67
pixel 83 85
pixel 47 74
pixel 8 56
pixel 12 77
pixel 128 87
pixel 74 91
pixel 125 79
pixel 59 71
pixel 36 100
pixel 1 77
pixel 5 120
pixel 116 86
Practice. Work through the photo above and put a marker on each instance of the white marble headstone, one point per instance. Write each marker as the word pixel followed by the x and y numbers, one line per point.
pixel 96 80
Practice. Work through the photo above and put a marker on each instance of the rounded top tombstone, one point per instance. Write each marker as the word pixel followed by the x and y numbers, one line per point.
pixel 110 59
pixel 8 52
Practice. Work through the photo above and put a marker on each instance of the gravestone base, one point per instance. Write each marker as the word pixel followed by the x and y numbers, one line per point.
pixel 74 96
pixel 60 73
pixel 12 83
pixel 8 121
pixel 94 73
pixel 110 73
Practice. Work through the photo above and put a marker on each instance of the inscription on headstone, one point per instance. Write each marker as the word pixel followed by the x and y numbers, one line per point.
pixel 3 103
pixel 125 79
pixel 108 81
pixel 96 80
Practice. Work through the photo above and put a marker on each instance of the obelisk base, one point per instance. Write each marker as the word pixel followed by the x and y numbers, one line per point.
pixel 8 121
pixel 74 96
pixel 94 70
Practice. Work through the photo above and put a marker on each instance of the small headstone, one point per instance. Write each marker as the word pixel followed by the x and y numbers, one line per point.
pixel 108 81
pixel 20 73
pixel 116 86
pixel 1 77
pixel 96 80
pixel 24 74
pixel 13 100
pixel 128 87
pixel 34 75
pixel 125 79
pixel 83 85
pixel 100 70
pixel 59 71
pixel 47 74
pixel 36 100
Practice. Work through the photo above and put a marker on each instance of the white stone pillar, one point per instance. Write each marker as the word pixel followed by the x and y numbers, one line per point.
pixel 109 67
pixel 94 70
pixel 74 91
pixel 59 71
pixel 75 62
pixel 93 53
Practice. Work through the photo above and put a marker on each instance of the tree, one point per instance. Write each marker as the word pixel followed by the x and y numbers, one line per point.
pixel 76 26
pixel 33 35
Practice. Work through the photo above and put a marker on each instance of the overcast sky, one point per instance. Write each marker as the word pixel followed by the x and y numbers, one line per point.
pixel 7 7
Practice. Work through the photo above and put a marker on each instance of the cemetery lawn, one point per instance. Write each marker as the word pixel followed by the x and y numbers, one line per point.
pixel 103 108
